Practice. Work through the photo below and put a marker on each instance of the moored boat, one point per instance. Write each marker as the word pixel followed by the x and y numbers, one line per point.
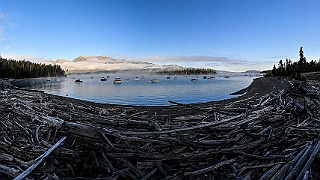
pixel 194 79
pixel 136 79
pixel 154 80
pixel 78 81
pixel 117 80
pixel 103 79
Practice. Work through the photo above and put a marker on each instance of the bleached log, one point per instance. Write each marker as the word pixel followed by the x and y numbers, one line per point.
pixel 234 109
pixel 310 160
pixel 39 160
pixel 255 167
pixel 6 157
pixel 270 172
pixel 149 174
pixel 184 129
pixel 281 173
pixel 210 168
pixel 297 166
pixel 189 106
pixel 161 169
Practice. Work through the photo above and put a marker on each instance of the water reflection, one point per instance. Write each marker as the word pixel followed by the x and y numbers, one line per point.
pixel 142 91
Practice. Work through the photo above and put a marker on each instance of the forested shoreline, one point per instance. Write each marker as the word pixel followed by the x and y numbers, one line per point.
pixel 188 71
pixel 294 69
pixel 26 69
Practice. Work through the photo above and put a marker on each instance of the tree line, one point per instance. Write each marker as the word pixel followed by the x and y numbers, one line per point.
pixel 294 69
pixel 26 69
pixel 188 71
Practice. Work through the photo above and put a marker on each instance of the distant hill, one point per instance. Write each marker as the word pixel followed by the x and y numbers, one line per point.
pixel 252 71
pixel 106 63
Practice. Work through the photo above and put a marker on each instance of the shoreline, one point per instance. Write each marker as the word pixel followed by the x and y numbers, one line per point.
pixel 245 136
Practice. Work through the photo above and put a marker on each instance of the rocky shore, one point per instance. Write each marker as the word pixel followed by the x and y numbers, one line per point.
pixel 271 131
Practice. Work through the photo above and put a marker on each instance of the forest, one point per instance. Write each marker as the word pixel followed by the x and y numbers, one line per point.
pixel 188 71
pixel 294 69
pixel 25 69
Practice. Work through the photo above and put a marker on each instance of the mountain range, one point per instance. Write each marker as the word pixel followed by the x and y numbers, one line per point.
pixel 106 63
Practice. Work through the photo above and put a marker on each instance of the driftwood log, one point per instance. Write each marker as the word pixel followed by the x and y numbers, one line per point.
pixel 271 132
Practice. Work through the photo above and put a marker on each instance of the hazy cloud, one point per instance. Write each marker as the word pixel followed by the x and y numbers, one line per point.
pixel 30 58
pixel 215 62
pixel 2 15
pixel 7 47
pixel 191 59
pixel 2 33
pixel 2 27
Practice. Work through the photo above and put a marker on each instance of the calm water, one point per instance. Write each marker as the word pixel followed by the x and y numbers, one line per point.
pixel 141 92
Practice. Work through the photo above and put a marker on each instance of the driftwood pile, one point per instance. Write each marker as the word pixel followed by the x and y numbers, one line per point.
pixel 270 136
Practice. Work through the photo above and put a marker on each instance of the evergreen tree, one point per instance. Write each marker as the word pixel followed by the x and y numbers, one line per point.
pixel 26 69
pixel 294 69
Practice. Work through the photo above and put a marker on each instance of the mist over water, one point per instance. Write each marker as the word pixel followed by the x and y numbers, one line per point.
pixel 142 91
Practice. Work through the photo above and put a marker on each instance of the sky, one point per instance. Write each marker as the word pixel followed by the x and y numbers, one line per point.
pixel 233 35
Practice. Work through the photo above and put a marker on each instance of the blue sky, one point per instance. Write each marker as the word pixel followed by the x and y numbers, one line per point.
pixel 221 34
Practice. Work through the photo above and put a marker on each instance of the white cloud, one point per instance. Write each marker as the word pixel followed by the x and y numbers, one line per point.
pixel 96 66
pixel 191 59
pixel 215 62
pixel 2 15
pixel 2 38
pixel 35 59
pixel 7 47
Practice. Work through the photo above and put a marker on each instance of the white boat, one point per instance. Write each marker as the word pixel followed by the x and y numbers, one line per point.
pixel 136 79
pixel 175 78
pixel 154 80
pixel 117 80
pixel 103 79
pixel 78 80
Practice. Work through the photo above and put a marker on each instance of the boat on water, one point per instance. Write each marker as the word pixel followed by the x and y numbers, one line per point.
pixel 48 79
pixel 136 79
pixel 226 76
pixel 103 79
pixel 154 80
pixel 78 81
pixel 117 80
pixel 168 77
pixel 194 79
pixel 175 78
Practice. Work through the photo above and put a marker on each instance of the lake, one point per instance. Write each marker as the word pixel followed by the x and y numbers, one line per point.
pixel 142 91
